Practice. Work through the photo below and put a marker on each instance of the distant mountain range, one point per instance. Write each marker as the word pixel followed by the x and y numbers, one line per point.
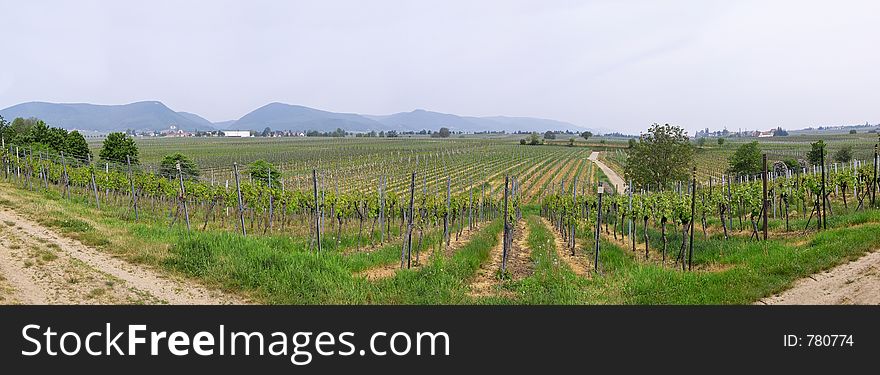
pixel 155 116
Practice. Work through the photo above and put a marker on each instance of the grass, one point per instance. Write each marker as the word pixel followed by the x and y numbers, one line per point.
pixel 281 270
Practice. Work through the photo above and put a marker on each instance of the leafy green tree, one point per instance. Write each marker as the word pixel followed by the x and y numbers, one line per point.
pixel 586 135
pixel 747 159
pixel 168 167
pixel 630 143
pixel 817 151
pixel 444 132
pixel 662 156
pixel 853 131
pixel 844 155
pixel 791 163
pixel 266 132
pixel 260 170
pixel 571 142
pixel 534 139
pixel 117 146
pixel 549 135
pixel 75 145
pixel 721 141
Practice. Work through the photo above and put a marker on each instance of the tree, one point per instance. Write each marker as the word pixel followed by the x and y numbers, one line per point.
pixel 721 141
pixel 701 142
pixel 266 132
pixel 662 156
pixel 391 134
pixel 630 143
pixel 747 159
pixel 117 146
pixel 444 132
pixel 522 141
pixel 844 155
pixel 75 145
pixel 549 135
pixel 260 169
pixel 571 142
pixel 586 135
pixel 853 131
pixel 168 166
pixel 534 139
pixel 791 163
pixel 780 132
pixel 817 152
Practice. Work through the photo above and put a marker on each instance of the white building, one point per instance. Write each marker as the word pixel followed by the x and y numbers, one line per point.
pixel 237 133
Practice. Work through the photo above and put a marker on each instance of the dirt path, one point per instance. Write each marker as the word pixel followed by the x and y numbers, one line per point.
pixel 853 283
pixel 39 266
pixel 616 180
pixel 580 263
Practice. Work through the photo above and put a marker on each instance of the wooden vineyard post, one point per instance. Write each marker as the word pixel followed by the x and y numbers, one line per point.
pixel 271 196
pixel 94 185
pixel 406 249
pixel 134 202
pixel 823 216
pixel 632 217
pixel 183 196
pixel 764 204
pixel 693 214
pixel 598 225
pixel 317 217
pixel 382 209
pixel 446 232
pixel 874 181
pixel 66 177
pixel 240 203
pixel 506 232
pixel 573 213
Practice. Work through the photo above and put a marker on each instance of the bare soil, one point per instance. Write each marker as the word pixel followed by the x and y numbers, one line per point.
pixel 40 266
pixel 519 264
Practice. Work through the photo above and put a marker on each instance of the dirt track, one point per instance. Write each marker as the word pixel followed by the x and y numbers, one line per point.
pixel 616 180
pixel 853 283
pixel 39 266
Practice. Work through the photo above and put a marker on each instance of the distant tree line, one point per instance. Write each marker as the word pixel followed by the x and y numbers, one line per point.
pixel 34 134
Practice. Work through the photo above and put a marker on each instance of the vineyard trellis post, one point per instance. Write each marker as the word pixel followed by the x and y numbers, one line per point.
pixel 406 249
pixel 64 170
pixel 506 232
pixel 183 196
pixel 824 197
pixel 131 184
pixel 694 219
pixel 764 200
pixel 598 225
pixel 317 217
pixel 874 181
pixel 240 202
pixel 94 185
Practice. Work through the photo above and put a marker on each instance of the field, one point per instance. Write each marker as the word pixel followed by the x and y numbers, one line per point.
pixel 428 221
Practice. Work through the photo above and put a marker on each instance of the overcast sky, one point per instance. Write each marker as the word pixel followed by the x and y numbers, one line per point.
pixel 613 64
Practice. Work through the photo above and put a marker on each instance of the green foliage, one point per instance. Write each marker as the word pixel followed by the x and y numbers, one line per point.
pixel 701 142
pixel 791 163
pixel 663 155
pixel 721 141
pixel 117 146
pixel 817 152
pixel 260 170
pixel 586 135
pixel 746 160
pixel 444 132
pixel 549 135
pixel 168 167
pixel 534 139
pixel 76 146
pixel 844 155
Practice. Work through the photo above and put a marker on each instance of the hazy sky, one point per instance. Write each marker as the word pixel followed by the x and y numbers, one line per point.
pixel 619 65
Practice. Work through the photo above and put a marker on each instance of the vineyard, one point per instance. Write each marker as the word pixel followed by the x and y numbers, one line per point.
pixel 452 221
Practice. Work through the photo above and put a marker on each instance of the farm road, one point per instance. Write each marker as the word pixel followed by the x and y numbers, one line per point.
pixel 40 267
pixel 616 180
pixel 853 283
